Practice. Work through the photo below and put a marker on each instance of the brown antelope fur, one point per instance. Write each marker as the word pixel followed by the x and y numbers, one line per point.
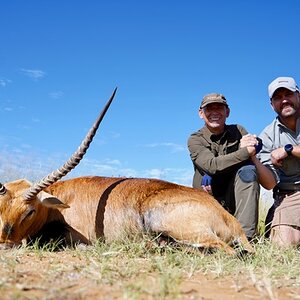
pixel 84 209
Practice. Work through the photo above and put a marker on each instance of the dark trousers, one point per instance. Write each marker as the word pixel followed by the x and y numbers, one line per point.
pixel 242 197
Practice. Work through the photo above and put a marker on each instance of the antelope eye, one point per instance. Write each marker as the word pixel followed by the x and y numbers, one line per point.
pixel 27 215
pixel 30 213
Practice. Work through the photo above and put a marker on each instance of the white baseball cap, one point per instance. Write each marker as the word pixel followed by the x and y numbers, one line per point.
pixel 282 82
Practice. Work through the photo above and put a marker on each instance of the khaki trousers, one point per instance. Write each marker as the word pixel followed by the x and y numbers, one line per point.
pixel 283 218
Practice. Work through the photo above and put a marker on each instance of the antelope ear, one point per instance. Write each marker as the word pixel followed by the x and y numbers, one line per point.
pixel 51 201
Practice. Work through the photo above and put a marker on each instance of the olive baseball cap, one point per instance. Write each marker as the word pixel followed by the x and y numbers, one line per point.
pixel 282 82
pixel 213 98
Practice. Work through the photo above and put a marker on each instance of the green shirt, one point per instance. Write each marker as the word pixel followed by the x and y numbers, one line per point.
pixel 219 156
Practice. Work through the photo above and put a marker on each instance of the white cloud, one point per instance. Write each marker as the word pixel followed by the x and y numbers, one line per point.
pixel 24 127
pixel 4 82
pixel 26 146
pixel 127 172
pixel 174 147
pixel 99 168
pixel 155 173
pixel 11 107
pixel 35 74
pixel 115 135
pixel 180 176
pixel 56 95
pixel 115 162
pixel 106 167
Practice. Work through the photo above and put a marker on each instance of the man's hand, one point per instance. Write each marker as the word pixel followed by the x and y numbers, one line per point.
pixel 251 142
pixel 206 188
pixel 277 156
pixel 206 183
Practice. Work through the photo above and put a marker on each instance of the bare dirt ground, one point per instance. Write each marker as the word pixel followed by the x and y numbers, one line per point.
pixel 73 275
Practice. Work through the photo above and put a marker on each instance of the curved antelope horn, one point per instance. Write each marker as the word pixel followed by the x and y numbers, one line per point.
pixel 2 189
pixel 73 161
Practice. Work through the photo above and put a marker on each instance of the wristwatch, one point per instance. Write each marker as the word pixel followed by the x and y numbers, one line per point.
pixel 288 148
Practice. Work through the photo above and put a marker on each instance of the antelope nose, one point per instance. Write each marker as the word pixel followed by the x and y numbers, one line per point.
pixel 7 229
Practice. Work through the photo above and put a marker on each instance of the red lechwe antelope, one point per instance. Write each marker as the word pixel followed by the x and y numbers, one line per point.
pixel 83 209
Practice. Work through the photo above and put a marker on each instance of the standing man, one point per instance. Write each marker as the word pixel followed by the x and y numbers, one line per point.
pixel 281 153
pixel 225 163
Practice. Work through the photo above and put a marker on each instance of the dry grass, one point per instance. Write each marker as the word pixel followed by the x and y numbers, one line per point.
pixel 143 270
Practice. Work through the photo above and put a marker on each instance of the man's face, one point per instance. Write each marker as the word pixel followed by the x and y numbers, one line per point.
pixel 286 103
pixel 214 116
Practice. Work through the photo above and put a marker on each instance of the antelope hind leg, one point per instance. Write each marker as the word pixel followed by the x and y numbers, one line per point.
pixel 207 242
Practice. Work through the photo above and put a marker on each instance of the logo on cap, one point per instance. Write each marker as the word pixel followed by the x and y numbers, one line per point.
pixel 282 82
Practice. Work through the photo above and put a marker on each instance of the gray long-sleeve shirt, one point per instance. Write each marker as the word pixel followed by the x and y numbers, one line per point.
pixel 274 136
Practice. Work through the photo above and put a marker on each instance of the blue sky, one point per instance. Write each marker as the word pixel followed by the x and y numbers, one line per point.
pixel 61 60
